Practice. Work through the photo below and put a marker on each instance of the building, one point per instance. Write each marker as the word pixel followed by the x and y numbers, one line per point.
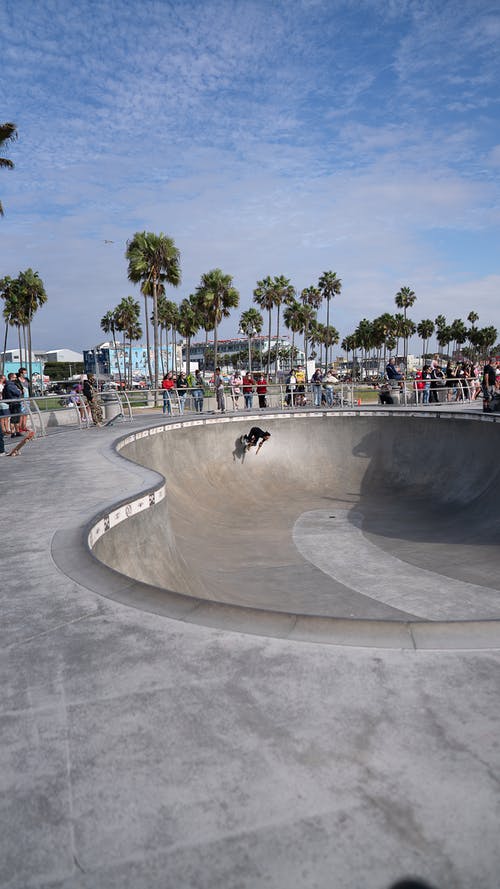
pixel 114 360
pixel 234 352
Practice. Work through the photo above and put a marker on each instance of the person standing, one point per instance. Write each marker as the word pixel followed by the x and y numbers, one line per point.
pixel 261 389
pixel 329 381
pixel 182 388
pixel 316 381
pixel 198 391
pixel 219 391
pixel 248 384
pixel 291 385
pixel 236 382
pixel 12 395
pixel 92 395
pixel 167 384
pixel 489 379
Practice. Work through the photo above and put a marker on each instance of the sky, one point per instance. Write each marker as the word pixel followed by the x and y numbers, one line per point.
pixel 265 137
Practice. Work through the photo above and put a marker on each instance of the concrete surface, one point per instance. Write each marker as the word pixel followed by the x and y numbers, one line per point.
pixel 139 750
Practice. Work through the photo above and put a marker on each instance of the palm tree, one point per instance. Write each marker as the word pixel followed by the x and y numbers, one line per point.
pixel 307 315
pixel 329 286
pixel 404 299
pixel 283 291
pixel 218 297
pixel 444 335
pixel 263 295
pixel 458 332
pixel 32 295
pixel 188 324
pixel 349 344
pixel 8 133
pixel 108 325
pixel 293 320
pixel 251 323
pixel 153 260
pixel 425 329
pixel 9 292
pixel 127 315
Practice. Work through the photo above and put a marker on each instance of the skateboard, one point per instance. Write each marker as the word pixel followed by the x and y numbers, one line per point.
pixel 27 437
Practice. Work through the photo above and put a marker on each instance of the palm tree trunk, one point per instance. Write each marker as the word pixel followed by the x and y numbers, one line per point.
pixel 30 362
pixel 277 342
pixel 327 343
pixel 147 340
pixel 216 332
pixel 5 344
pixel 269 346
pixel 155 328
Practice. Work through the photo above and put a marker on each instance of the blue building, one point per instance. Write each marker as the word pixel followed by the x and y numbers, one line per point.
pixel 110 362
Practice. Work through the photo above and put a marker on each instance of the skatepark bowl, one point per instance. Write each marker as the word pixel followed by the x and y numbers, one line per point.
pixel 371 528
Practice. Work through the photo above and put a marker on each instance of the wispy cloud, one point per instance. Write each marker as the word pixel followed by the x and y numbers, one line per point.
pixel 265 138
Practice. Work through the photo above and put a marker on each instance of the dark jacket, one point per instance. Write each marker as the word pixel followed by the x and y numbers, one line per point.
pixel 11 390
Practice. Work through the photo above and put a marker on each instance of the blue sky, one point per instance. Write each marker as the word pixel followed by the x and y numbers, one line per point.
pixel 284 138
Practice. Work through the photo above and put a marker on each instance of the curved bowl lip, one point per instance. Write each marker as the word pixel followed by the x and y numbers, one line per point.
pixel 417 635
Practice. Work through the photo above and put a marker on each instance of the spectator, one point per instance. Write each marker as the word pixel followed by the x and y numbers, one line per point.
pixel 489 379
pixel 437 382
pixel 167 384
pixel 219 390
pixel 316 381
pixel 291 385
pixel 329 381
pixel 24 387
pixel 419 386
pixel 182 389
pixel 199 391
pixel 262 390
pixel 12 393
pixel 392 370
pixel 236 383
pixel 248 384
pixel 301 386
pixel 4 409
pixel 426 377
pixel 91 393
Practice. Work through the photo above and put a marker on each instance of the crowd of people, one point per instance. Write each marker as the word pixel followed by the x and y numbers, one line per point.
pixel 14 411
pixel 437 382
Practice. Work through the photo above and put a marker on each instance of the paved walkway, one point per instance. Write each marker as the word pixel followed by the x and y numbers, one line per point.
pixel 139 751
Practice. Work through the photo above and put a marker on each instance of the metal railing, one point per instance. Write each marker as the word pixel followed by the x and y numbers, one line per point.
pixel 49 413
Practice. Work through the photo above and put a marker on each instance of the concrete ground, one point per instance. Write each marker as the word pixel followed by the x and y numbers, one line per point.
pixel 143 751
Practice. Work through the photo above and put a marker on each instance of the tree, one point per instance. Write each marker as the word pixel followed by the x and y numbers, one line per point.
pixel 153 260
pixel 293 320
pixel 251 323
pixel 8 133
pixel 218 298
pixel 188 324
pixel 444 336
pixel 330 286
pixel 127 315
pixel 9 294
pixel 307 315
pixel 168 317
pixel 283 291
pixel 263 295
pixel 458 332
pixel 108 325
pixel 425 329
pixel 404 299
pixel 32 295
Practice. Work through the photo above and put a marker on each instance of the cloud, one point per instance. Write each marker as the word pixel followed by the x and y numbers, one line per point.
pixel 284 138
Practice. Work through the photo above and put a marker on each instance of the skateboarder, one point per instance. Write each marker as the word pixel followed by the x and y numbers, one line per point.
pixel 257 437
